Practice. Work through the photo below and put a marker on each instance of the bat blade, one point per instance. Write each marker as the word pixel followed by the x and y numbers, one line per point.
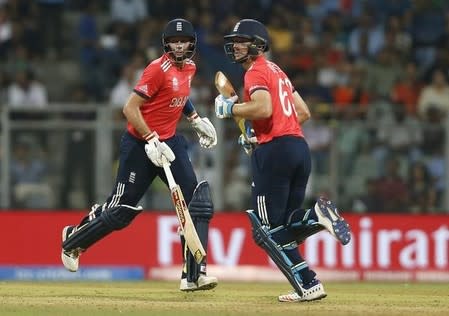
pixel 223 85
pixel 188 228
pixel 226 89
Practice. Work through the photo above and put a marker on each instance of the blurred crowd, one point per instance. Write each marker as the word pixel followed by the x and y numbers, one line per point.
pixel 374 73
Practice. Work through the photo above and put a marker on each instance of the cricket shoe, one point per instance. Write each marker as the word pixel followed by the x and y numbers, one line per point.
pixel 329 218
pixel 310 292
pixel 70 259
pixel 203 283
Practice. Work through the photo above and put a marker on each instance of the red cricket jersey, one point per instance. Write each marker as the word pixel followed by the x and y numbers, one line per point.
pixel 166 88
pixel 266 75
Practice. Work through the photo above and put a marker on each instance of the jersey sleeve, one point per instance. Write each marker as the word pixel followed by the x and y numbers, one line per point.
pixel 150 81
pixel 255 80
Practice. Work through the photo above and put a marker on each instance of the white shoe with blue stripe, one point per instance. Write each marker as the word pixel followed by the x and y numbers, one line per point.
pixel 311 292
pixel 329 218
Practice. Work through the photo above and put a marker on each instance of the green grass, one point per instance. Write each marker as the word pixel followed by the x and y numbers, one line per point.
pixel 164 298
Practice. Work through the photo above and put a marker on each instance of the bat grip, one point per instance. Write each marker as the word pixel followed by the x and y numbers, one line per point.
pixel 168 174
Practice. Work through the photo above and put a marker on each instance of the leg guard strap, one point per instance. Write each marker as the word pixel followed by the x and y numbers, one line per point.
pixel 262 237
pixel 100 226
pixel 301 225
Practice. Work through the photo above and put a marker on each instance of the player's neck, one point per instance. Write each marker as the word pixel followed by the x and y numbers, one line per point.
pixel 249 62
pixel 179 65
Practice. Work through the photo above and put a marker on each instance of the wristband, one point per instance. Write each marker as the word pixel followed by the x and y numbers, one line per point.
pixel 150 135
pixel 193 117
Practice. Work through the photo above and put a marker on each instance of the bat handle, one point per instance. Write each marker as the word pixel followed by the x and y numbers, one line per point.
pixel 168 174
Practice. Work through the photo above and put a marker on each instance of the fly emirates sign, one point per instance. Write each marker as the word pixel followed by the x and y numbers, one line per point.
pixel 382 243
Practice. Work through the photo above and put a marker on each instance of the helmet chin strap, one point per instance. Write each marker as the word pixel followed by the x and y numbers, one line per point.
pixel 178 60
pixel 252 52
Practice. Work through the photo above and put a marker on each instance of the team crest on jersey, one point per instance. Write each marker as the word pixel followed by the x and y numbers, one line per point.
pixel 143 88
pixel 175 84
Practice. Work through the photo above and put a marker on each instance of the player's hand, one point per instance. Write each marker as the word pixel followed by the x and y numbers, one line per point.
pixel 223 106
pixel 248 144
pixel 158 151
pixel 205 130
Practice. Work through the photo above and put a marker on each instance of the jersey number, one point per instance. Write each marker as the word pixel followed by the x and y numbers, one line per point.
pixel 284 87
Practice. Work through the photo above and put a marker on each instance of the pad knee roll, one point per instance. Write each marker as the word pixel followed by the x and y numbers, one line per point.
pixel 201 205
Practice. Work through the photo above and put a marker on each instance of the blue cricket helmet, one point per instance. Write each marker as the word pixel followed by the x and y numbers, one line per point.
pixel 179 28
pixel 250 29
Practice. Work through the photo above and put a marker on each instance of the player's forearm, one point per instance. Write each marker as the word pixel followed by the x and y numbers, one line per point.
pixel 252 110
pixel 302 117
pixel 258 107
pixel 302 110
pixel 133 115
pixel 135 118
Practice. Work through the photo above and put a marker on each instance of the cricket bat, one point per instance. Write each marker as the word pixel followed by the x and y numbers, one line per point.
pixel 225 88
pixel 185 220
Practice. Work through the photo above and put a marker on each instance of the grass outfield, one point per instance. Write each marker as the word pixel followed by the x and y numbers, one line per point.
pixel 163 298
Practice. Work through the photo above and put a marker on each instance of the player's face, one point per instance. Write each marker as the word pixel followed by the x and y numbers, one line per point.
pixel 179 45
pixel 240 46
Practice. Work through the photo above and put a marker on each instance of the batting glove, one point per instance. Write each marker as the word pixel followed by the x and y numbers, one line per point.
pixel 205 131
pixel 223 106
pixel 249 142
pixel 158 152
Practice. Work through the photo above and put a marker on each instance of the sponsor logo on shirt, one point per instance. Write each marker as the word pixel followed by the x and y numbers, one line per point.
pixel 178 101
